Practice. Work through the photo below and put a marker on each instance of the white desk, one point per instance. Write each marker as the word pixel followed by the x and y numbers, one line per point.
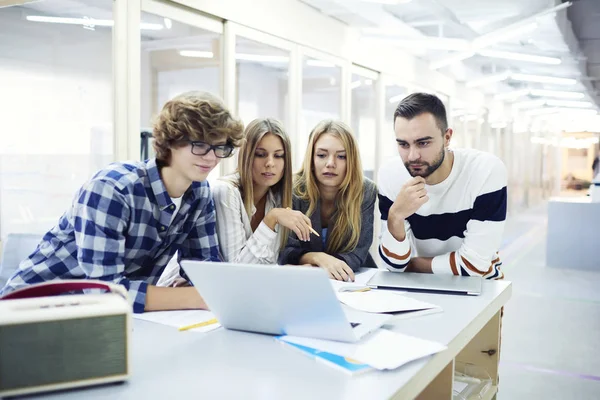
pixel 573 228
pixel 222 364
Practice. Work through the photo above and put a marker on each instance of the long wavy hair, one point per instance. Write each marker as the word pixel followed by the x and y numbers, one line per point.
pixel 344 235
pixel 253 134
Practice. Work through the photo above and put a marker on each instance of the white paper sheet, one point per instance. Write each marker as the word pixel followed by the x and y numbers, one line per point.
pixel 180 319
pixel 360 279
pixel 383 349
pixel 382 301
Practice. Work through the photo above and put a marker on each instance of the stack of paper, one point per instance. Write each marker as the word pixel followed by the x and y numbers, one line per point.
pixel 383 349
pixel 180 319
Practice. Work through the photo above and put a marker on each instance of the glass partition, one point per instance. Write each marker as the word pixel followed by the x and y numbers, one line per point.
pixel 57 107
pixel 262 80
pixel 321 99
pixel 363 119
pixel 175 59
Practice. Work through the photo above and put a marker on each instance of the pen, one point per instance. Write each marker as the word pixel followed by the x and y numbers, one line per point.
pixel 310 227
pixel 198 325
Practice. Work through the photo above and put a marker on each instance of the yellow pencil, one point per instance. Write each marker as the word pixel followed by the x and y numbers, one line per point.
pixel 198 325
pixel 311 229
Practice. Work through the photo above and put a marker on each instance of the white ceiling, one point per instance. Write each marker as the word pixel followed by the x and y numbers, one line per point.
pixel 466 20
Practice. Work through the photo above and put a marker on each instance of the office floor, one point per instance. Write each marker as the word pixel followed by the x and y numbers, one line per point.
pixel 551 326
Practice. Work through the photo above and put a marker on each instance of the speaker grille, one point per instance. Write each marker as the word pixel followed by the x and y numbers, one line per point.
pixel 62 351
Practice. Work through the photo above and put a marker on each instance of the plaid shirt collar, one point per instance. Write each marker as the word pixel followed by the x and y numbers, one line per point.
pixel 159 189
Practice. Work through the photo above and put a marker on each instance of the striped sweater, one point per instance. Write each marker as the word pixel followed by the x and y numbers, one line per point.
pixel 461 225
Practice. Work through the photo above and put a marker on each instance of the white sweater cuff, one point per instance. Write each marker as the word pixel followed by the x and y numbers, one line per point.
pixel 441 264
pixel 398 252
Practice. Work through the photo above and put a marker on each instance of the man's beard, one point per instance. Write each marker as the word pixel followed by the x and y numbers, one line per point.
pixel 426 168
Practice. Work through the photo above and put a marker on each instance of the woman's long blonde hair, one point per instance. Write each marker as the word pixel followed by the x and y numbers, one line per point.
pixel 253 134
pixel 344 235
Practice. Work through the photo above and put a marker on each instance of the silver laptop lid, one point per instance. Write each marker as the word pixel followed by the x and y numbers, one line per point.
pixel 427 282
pixel 271 299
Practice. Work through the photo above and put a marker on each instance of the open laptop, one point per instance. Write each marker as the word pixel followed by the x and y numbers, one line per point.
pixel 470 285
pixel 278 300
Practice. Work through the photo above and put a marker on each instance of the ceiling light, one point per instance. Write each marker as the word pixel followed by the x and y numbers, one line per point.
pixel 515 94
pixel 262 58
pixel 390 37
pixel 503 35
pixel 569 103
pixel 488 80
pixel 557 93
pixel 196 53
pixel 451 60
pixel 168 23
pixel 88 22
pixel 509 55
pixel 529 104
pixel 543 79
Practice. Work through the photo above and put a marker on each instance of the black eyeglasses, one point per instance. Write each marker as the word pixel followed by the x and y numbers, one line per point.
pixel 202 149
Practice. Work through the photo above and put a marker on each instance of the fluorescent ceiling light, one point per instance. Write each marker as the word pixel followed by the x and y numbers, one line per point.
pixel 449 44
pixel 88 22
pixel 563 110
pixel 239 56
pixel 569 103
pixel 543 79
pixel 262 58
pixel 450 60
pixel 488 80
pixel 556 93
pixel 503 35
pixel 196 53
pixel 529 104
pixel 509 55
pixel 168 23
pixel 319 63
pixel 515 94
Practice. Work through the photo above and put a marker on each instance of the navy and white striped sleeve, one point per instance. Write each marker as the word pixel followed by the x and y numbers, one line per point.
pixel 101 215
pixel 477 256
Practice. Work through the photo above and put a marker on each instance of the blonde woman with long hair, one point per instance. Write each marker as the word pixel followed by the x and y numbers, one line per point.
pixel 253 205
pixel 331 190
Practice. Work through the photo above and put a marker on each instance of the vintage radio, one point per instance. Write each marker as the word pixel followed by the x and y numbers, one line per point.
pixel 50 342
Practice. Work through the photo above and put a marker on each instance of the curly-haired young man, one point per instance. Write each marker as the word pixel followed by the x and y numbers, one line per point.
pixel 125 224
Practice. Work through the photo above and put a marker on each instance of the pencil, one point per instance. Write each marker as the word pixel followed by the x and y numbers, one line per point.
pixel 198 325
pixel 310 227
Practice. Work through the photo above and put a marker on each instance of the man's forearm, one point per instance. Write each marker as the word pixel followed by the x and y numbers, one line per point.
pixel 397 229
pixel 173 298
pixel 420 264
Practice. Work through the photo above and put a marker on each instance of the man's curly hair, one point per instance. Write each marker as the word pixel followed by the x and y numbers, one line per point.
pixel 194 116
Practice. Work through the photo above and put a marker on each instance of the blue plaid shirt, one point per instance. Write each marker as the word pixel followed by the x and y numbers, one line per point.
pixel 119 229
